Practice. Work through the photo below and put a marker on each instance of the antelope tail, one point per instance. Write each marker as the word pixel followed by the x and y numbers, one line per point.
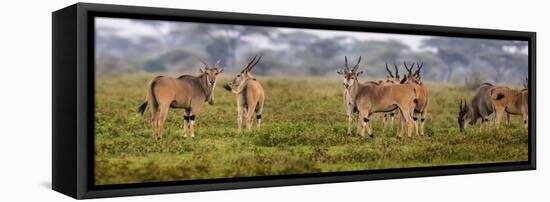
pixel 150 96
pixel 142 107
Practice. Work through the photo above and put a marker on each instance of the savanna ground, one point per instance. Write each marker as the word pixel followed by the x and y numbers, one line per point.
pixel 303 131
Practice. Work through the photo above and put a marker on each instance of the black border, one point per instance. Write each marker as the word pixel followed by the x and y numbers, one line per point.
pixel 85 99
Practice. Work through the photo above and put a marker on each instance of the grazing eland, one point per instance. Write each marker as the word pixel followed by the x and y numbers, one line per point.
pixel 479 107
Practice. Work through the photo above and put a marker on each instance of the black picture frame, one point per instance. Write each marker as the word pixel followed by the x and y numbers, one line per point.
pixel 73 100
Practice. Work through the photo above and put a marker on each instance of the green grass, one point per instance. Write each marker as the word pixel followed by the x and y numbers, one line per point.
pixel 303 131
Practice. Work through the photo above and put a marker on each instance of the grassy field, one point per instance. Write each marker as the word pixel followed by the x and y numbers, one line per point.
pixel 303 131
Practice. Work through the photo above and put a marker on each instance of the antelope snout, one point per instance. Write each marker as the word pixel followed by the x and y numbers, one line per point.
pixel 346 85
pixel 212 82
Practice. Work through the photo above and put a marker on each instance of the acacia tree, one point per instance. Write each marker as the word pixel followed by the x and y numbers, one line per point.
pixel 454 59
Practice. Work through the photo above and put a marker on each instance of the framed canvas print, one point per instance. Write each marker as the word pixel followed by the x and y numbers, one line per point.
pixel 155 100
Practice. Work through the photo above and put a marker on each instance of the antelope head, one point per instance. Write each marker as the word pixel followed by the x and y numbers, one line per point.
pixel 237 84
pixel 211 72
pixel 391 78
pixel 350 75
pixel 463 114
pixel 413 77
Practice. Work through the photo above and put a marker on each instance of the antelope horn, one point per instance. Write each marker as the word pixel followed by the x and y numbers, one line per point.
pixel 217 63
pixel 346 63
pixel 407 67
pixel 388 69
pixel 203 62
pixel 249 63
pixel 357 65
pixel 419 66
pixel 396 70
pixel 253 65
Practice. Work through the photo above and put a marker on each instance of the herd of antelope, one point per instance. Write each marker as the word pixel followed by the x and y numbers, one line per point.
pixel 407 97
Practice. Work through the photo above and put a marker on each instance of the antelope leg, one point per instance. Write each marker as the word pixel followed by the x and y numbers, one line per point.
pixel 240 112
pixel 249 113
pixel 422 122
pixel 192 124
pixel 259 119
pixel 507 120
pixel 498 117
pixel 186 122
pixel 392 117
pixel 154 124
pixel 368 124
pixel 384 116
pixel 361 123
pixel 161 120
pixel 415 119
pixel 350 121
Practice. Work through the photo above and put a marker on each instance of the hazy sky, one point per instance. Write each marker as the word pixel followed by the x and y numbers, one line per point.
pixel 130 29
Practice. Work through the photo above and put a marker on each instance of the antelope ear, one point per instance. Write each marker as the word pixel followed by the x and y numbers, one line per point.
pixel 359 73
pixel 340 72
pixel 202 70
pixel 220 70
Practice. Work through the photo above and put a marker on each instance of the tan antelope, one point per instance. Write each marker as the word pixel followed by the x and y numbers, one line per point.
pixel 250 95
pixel 479 107
pixel 422 93
pixel 369 99
pixel 515 102
pixel 348 103
pixel 186 92
pixel 391 79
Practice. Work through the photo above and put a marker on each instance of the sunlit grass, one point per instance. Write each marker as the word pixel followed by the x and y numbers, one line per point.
pixel 303 131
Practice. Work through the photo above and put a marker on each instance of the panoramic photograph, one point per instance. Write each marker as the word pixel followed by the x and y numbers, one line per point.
pixel 180 101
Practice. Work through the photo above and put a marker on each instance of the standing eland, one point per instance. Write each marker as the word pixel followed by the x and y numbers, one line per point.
pixel 186 92
pixel 422 92
pixel 515 102
pixel 250 95
pixel 369 99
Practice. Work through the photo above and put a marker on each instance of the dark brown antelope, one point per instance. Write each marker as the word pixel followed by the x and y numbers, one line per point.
pixel 515 102
pixel 422 93
pixel 479 107
pixel 186 92
pixel 250 95
pixel 369 99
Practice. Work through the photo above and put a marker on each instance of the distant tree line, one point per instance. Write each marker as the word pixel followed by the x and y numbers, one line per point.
pixel 303 53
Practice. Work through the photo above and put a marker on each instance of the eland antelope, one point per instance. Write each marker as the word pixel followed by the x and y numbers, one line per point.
pixel 369 99
pixel 250 95
pixel 391 79
pixel 186 92
pixel 422 93
pixel 348 103
pixel 515 102
pixel 479 107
